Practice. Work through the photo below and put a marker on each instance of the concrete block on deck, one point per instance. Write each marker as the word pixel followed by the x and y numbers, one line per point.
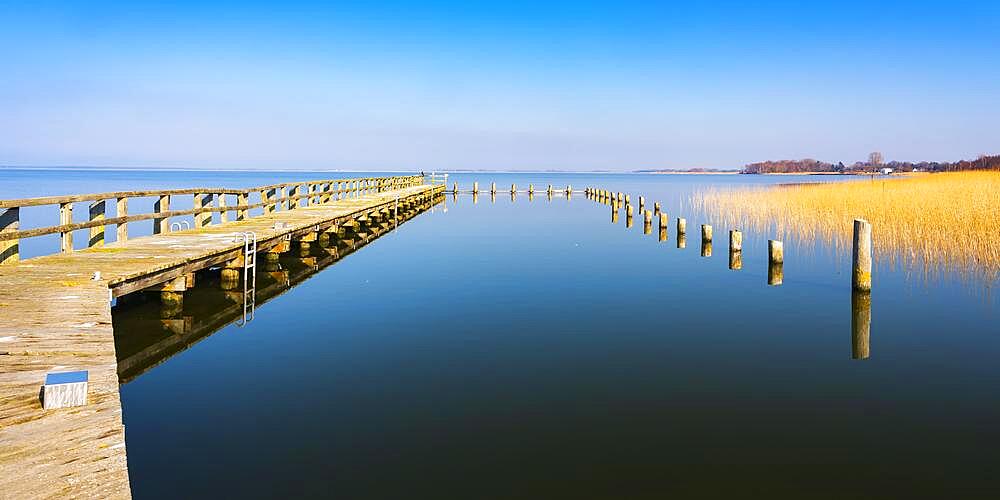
pixel 64 390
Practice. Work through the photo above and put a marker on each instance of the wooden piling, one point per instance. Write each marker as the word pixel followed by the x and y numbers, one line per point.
pixel 706 232
pixel 682 226
pixel 647 222
pixel 664 220
pixel 656 208
pixel 513 189
pixel 735 241
pixel 861 268
pixel 628 216
pixel 775 252
pixel 475 187
pixel 455 188
pixel 10 250
pixel 493 188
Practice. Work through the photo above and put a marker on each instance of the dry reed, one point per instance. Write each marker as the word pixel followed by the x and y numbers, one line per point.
pixel 940 223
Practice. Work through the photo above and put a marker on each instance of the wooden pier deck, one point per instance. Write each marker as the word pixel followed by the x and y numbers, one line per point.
pixel 55 317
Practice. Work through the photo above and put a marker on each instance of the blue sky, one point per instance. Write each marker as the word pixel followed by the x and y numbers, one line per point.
pixel 495 85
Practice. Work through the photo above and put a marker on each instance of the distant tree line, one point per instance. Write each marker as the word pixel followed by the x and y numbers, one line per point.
pixel 984 162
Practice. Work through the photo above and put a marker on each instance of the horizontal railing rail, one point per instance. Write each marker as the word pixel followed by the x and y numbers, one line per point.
pixel 206 201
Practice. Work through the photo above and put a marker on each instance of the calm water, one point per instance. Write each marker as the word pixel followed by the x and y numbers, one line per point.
pixel 533 349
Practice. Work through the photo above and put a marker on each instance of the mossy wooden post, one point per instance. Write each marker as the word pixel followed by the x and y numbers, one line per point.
pixel 97 212
pixel 242 199
pixel 202 219
pixel 161 225
pixel 861 322
pixel 221 202
pixel 735 250
pixel 10 250
pixel 776 262
pixel 861 268
pixel 66 217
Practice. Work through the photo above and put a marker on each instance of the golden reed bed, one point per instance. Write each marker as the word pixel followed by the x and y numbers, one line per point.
pixel 937 223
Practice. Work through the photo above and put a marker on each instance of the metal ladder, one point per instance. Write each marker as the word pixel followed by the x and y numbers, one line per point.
pixel 249 240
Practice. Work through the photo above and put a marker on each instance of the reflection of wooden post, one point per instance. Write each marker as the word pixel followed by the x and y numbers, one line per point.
pixel 97 213
pixel 66 217
pixel 861 269
pixel 10 250
pixel 706 248
pixel 861 322
pixel 682 240
pixel 614 214
pixel 664 221
pixel 628 216
pixel 647 222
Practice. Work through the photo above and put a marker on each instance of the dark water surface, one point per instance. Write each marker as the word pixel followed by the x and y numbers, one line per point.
pixel 533 349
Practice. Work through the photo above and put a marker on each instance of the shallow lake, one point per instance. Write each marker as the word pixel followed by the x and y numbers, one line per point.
pixel 531 348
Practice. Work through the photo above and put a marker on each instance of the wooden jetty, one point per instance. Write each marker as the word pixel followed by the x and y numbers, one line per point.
pixel 55 310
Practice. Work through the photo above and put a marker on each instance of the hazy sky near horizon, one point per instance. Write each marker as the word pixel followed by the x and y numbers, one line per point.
pixel 575 85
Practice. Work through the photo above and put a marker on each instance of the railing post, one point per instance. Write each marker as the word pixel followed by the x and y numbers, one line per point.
pixel 66 217
pixel 10 252
pixel 121 210
pixel 161 225
pixel 292 204
pixel 242 199
pixel 202 200
pixel 224 214
pixel 97 213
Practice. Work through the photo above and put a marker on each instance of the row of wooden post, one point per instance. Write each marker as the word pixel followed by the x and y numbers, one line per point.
pixel 862 244
pixel 513 189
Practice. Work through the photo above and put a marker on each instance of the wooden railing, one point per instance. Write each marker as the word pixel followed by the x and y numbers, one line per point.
pixel 206 201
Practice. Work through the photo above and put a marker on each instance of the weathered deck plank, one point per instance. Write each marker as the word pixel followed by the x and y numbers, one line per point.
pixel 53 317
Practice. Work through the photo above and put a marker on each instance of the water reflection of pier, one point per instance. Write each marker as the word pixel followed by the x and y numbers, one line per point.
pixel 147 333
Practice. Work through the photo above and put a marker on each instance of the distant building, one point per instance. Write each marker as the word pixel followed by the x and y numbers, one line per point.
pixel 886 171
